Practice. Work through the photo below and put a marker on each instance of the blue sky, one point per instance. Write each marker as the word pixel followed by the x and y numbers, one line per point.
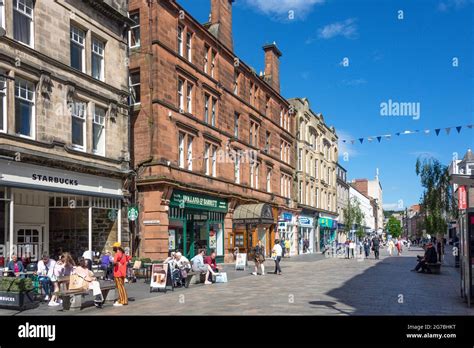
pixel 407 60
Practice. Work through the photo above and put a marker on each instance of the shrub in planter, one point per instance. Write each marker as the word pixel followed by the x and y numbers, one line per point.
pixel 13 284
pixel 145 260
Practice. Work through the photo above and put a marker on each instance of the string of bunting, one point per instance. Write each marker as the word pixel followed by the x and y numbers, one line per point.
pixel 389 136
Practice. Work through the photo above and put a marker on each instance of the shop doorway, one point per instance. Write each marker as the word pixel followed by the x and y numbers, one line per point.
pixel 29 242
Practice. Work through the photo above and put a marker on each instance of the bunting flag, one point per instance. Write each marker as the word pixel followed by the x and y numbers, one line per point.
pixel 407 132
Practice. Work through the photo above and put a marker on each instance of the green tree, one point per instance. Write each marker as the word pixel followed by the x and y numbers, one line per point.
pixel 394 227
pixel 437 199
pixel 354 217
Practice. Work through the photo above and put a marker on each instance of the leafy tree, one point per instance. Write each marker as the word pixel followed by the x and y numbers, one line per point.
pixel 437 200
pixel 394 227
pixel 354 217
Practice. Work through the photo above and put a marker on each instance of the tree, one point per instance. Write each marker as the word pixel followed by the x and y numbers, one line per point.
pixel 354 217
pixel 394 227
pixel 437 199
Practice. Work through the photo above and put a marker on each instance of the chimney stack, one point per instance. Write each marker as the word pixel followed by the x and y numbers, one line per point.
pixel 221 22
pixel 272 65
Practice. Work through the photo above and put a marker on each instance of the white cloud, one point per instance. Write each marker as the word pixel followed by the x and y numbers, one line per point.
pixel 446 5
pixel 284 9
pixel 346 149
pixel 347 29
pixel 354 82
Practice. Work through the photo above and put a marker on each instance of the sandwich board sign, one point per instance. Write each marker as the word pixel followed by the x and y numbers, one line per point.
pixel 241 262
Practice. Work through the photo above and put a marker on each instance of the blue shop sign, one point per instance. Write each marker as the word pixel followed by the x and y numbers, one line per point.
pixel 305 221
pixel 287 216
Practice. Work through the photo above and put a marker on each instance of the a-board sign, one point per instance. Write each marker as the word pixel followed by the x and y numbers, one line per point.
pixel 159 275
pixel 241 261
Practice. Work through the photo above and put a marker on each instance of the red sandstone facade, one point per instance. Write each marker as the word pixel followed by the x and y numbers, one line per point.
pixel 198 104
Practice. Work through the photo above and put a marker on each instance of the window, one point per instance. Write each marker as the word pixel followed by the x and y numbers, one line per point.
pixel 251 100
pixel 189 38
pixel 213 62
pixel 180 40
pixel 77 48
pixel 312 196
pixel 134 34
pixel 97 59
pixel 300 191
pixel 210 159
pixel 281 117
pixel 78 121
pixel 207 152
pixel 237 168
pixel 317 200
pixel 214 161
pixel 236 82
pixel 267 141
pixel 236 125
pixel 3 103
pixel 206 58
pixel 181 149
pixel 23 21
pixel 282 185
pixel 300 159
pixel 98 131
pixel 190 152
pixel 181 95
pixel 135 86
pixel 282 147
pixel 267 105
pixel 306 157
pixel 210 104
pixel 24 108
pixel 316 175
pixel 269 179
pixel 254 130
pixel 2 14
pixel 189 98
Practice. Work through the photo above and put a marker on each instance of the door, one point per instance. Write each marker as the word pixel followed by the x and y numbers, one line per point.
pixel 29 241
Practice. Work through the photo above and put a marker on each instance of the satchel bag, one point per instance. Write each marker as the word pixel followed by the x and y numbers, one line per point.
pixel 77 282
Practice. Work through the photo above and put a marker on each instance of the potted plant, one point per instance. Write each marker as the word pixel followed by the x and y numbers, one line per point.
pixel 16 293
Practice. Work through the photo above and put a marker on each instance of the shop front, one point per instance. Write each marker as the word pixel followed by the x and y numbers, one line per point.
pixel 306 233
pixel 288 229
pixel 45 209
pixel 251 223
pixel 196 221
pixel 327 231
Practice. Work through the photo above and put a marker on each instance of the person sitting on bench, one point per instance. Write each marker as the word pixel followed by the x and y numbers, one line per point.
pixel 90 282
pixel 211 261
pixel 15 267
pixel 200 267
pixel 430 257
pixel 184 266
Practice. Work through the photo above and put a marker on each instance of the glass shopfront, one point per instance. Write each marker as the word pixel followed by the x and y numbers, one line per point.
pixel 196 221
pixel 327 231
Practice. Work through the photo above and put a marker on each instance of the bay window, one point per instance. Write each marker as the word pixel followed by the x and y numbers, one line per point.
pixel 78 121
pixel 23 21
pixel 98 131
pixel 24 108
pixel 77 48
pixel 97 59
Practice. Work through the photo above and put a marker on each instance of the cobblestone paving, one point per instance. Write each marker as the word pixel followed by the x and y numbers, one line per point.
pixel 310 285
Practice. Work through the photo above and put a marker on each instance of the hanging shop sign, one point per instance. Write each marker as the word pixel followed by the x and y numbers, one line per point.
pixel 184 199
pixel 325 222
pixel 305 221
pixel 462 198
pixel 287 216
pixel 132 213
pixel 31 176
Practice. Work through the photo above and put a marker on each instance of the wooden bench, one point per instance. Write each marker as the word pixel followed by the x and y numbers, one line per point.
pixel 434 268
pixel 73 299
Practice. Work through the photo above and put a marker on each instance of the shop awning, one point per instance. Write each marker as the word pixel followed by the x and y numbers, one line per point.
pixel 253 214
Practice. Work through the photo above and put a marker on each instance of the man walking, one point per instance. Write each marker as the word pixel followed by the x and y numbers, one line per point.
pixel 376 246
pixel 276 255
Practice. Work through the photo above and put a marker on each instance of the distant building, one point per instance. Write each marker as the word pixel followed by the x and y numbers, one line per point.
pixel 366 208
pixel 342 195
pixel 373 189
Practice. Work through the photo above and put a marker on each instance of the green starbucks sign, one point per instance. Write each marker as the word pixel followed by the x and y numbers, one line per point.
pixel 182 199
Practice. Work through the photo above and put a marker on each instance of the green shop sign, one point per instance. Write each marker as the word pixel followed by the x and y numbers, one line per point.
pixel 325 222
pixel 183 199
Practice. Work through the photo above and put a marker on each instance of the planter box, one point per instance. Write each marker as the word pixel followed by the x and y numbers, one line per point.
pixel 18 300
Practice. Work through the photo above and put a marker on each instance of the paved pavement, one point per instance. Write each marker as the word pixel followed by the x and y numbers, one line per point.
pixel 309 285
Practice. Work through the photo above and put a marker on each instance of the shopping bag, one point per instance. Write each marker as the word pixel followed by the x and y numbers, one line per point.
pixel 221 277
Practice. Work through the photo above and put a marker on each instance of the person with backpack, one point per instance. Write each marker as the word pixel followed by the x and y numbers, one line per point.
pixel 376 246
